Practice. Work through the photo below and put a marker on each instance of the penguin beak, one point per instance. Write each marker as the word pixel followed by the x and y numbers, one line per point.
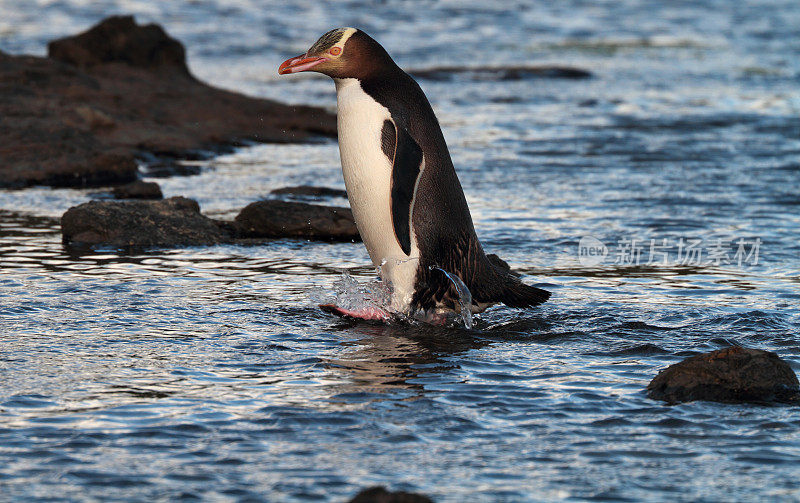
pixel 300 63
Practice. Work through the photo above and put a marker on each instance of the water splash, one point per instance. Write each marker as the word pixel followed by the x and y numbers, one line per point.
pixel 348 293
pixel 464 297
pixel 353 295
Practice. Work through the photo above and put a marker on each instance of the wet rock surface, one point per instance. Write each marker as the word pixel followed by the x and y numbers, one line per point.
pixel 732 374
pixel 310 191
pixel 264 219
pixel 176 221
pixel 81 116
pixel 138 190
pixel 500 73
pixel 381 495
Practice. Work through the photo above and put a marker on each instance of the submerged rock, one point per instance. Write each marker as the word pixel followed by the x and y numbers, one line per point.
pixel 732 374
pixel 138 190
pixel 80 116
pixel 172 222
pixel 177 221
pixel 381 495
pixel 265 219
pixel 310 191
pixel 500 73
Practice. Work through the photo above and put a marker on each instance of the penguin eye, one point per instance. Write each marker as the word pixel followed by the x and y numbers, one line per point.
pixel 335 51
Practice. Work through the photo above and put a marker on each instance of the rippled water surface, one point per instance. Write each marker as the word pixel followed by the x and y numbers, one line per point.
pixel 209 373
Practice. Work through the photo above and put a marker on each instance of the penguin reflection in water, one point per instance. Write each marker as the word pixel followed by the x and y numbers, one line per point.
pixel 406 198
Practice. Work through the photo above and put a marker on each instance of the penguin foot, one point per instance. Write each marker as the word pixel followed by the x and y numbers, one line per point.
pixel 367 313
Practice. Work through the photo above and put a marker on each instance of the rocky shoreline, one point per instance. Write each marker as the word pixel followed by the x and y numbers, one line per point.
pixel 119 92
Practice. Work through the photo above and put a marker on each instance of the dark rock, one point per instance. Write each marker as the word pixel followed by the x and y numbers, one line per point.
pixel 500 73
pixel 381 495
pixel 308 190
pixel 138 190
pixel 178 222
pixel 120 39
pixel 734 374
pixel 172 222
pixel 291 219
pixel 80 117
pixel 167 169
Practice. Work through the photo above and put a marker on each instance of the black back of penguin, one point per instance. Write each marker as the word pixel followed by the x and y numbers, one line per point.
pixel 441 219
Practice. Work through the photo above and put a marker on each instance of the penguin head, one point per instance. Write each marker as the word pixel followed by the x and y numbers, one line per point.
pixel 341 53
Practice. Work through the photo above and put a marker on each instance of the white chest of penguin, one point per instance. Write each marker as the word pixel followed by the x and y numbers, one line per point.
pixel 368 177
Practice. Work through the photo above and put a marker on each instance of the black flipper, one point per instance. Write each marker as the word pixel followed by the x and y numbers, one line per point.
pixel 406 157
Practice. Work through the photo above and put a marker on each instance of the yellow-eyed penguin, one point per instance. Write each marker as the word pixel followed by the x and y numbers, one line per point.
pixel 406 198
